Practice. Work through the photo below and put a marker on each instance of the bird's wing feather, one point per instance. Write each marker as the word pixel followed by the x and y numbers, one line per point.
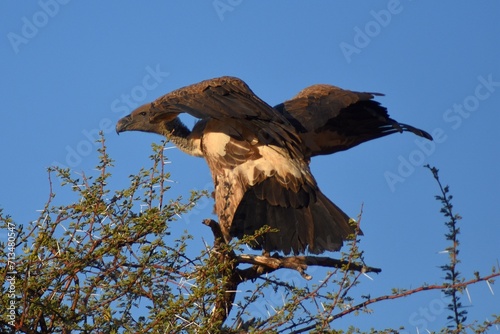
pixel 258 184
pixel 331 119
pixel 315 105
pixel 218 98
pixel 228 98
pixel 239 161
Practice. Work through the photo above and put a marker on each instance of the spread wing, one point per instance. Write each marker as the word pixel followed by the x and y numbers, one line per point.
pixel 331 119
pixel 227 98
pixel 216 98
pixel 260 175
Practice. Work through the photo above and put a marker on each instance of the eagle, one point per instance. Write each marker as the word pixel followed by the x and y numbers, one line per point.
pixel 259 155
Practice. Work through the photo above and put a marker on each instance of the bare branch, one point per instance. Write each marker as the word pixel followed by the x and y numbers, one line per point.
pixel 266 264
pixel 422 288
pixel 300 263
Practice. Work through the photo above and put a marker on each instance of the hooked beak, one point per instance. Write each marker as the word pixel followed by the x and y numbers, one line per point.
pixel 123 124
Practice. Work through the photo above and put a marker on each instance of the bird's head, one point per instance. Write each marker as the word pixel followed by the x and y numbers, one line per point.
pixel 140 120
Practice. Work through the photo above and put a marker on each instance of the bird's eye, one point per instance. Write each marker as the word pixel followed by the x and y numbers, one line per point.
pixel 143 113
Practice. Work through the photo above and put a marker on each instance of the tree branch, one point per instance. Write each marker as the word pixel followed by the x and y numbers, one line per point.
pixel 267 264
pixel 261 265
pixel 400 295
pixel 223 302
pixel 300 263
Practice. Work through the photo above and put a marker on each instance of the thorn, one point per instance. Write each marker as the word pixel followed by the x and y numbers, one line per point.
pixel 178 316
pixel 468 294
pixel 272 308
pixel 489 286
pixel 443 252
pixel 187 282
pixel 368 277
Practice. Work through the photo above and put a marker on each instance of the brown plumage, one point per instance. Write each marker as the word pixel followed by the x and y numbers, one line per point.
pixel 330 119
pixel 259 155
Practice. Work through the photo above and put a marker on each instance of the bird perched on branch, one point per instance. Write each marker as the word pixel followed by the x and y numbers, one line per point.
pixel 259 155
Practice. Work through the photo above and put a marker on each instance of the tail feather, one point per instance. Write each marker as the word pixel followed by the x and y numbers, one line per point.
pixel 316 227
pixel 416 131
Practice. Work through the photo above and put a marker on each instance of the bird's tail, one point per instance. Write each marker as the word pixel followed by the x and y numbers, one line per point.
pixel 331 226
pixel 317 227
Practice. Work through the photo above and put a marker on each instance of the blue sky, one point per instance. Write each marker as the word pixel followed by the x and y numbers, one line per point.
pixel 72 68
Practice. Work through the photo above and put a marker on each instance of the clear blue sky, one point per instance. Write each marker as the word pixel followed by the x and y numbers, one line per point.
pixel 71 68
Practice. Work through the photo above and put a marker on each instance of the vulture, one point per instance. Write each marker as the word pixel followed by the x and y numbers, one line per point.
pixel 259 155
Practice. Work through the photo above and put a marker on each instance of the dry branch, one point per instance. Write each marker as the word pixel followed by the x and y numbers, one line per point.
pixel 267 264
pixel 402 294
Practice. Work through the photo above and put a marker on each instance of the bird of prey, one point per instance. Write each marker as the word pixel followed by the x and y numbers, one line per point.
pixel 259 155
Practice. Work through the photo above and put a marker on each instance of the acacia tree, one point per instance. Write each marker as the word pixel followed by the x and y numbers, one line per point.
pixel 112 262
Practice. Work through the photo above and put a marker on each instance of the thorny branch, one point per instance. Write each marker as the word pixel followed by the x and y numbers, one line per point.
pixel 404 294
pixel 267 264
pixel 274 262
pixel 81 271
pixel 263 265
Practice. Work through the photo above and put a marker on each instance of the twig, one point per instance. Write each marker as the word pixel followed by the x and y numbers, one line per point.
pixel 400 295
